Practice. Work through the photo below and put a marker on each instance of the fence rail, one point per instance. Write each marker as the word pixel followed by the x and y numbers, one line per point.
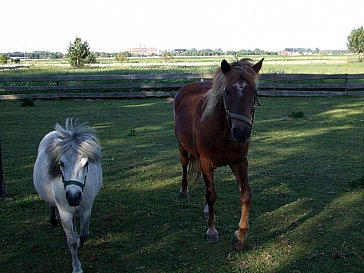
pixel 163 85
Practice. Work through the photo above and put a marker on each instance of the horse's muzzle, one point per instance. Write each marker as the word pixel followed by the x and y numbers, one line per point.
pixel 73 197
pixel 241 135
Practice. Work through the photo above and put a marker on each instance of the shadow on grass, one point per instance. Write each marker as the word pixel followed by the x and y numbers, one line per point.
pixel 305 215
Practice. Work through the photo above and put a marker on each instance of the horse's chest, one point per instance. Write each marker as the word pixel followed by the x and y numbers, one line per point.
pixel 224 153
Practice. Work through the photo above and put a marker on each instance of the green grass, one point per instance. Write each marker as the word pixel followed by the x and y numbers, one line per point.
pixel 314 64
pixel 306 175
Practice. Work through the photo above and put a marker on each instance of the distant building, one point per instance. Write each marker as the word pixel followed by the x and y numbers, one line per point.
pixel 288 53
pixel 142 51
pixel 180 50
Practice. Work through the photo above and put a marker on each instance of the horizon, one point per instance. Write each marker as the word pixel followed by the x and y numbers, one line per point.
pixel 171 50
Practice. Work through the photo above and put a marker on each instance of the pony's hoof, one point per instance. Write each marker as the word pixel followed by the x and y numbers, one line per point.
pixel 238 244
pixel 212 237
pixel 82 240
pixel 184 194
pixel 55 221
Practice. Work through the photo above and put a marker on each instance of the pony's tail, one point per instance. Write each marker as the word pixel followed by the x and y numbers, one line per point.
pixel 194 170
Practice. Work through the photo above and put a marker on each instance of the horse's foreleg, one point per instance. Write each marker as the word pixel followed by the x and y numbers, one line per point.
pixel 241 174
pixel 73 240
pixel 210 197
pixel 85 218
pixel 184 161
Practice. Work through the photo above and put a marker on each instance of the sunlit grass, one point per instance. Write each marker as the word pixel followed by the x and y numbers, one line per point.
pixel 305 174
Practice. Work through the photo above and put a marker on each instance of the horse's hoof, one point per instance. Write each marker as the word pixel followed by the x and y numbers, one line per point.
pixel 212 238
pixel 184 195
pixel 237 244
pixel 55 221
pixel 82 240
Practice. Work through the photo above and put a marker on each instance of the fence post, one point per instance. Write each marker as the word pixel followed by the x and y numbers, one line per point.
pixel 58 87
pixel 346 82
pixel 131 89
pixel 2 184
pixel 274 84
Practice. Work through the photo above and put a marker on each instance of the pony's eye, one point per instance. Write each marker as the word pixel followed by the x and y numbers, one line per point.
pixel 61 164
pixel 227 92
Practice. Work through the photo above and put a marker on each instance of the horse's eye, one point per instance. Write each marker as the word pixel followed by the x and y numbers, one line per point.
pixel 61 164
pixel 227 92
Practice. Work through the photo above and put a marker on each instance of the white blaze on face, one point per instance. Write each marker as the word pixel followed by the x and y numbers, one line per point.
pixel 240 86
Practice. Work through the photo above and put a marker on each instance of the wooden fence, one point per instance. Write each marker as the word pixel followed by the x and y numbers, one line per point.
pixel 165 85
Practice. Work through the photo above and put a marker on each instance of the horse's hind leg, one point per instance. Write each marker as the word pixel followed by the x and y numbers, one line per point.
pixel 184 157
pixel 85 218
pixel 208 176
pixel 53 216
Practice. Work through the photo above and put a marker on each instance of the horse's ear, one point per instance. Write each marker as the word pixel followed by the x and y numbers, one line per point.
pixel 225 66
pixel 258 65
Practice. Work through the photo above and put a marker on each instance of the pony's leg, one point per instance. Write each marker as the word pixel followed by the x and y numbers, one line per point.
pixel 53 216
pixel 73 240
pixel 85 218
pixel 241 173
pixel 210 197
pixel 184 157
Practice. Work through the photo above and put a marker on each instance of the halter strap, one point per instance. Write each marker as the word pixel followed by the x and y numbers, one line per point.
pixel 238 116
pixel 73 182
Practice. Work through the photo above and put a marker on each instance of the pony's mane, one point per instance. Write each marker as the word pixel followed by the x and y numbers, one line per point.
pixel 242 69
pixel 78 137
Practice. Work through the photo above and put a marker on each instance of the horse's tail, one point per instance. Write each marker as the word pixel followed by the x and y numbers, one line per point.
pixel 194 170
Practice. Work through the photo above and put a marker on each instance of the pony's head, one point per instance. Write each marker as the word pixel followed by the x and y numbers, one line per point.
pixel 235 87
pixel 70 155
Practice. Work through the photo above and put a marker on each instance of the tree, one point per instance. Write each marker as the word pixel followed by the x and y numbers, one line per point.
pixel 78 52
pixel 3 59
pixel 167 56
pixel 91 58
pixel 356 42
pixel 122 56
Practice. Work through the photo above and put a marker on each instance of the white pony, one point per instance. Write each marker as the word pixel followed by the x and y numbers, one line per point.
pixel 68 175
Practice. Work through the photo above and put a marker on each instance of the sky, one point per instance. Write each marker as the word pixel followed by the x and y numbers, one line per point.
pixel 115 25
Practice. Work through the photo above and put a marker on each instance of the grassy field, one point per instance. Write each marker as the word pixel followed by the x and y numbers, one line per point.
pixel 319 64
pixel 306 174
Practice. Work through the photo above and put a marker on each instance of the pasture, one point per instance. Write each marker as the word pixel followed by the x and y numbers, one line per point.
pixel 306 176
pixel 315 64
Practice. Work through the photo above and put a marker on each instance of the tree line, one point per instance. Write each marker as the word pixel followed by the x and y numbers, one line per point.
pixel 79 52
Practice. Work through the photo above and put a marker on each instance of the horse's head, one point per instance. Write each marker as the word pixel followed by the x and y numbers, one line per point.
pixel 74 169
pixel 239 97
pixel 69 156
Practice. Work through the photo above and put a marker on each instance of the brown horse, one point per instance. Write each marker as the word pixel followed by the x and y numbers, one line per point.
pixel 213 124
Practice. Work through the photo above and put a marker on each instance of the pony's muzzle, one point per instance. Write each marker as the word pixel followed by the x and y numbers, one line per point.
pixel 241 135
pixel 74 196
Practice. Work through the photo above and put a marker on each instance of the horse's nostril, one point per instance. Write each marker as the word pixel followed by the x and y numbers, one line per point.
pixel 73 198
pixel 241 135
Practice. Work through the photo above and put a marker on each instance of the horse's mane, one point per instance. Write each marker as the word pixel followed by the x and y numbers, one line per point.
pixel 78 137
pixel 242 69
